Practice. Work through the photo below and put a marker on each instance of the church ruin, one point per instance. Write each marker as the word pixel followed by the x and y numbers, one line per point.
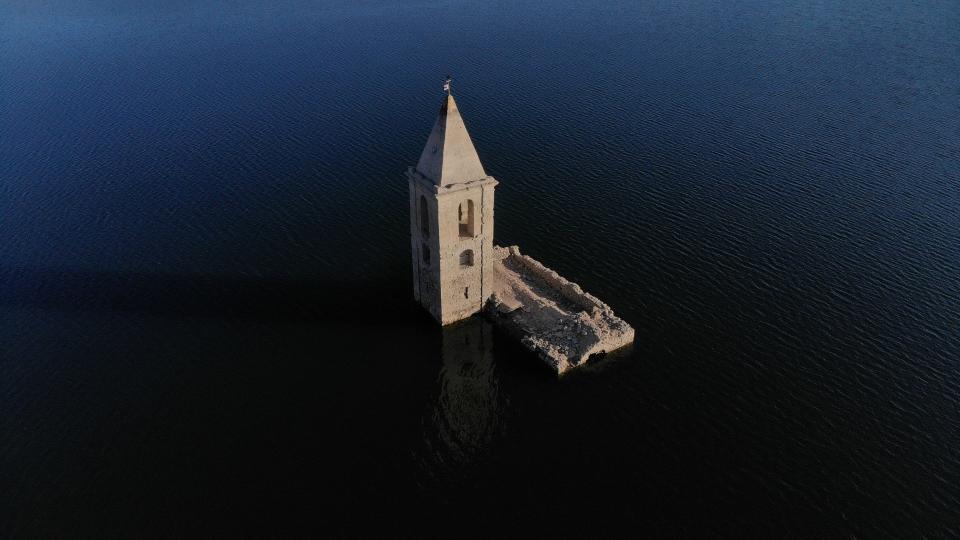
pixel 458 272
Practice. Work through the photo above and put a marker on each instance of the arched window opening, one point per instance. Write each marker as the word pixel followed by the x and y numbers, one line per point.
pixel 465 215
pixel 466 292
pixel 466 258
pixel 425 251
pixel 424 218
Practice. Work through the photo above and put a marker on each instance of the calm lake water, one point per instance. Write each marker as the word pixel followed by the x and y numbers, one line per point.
pixel 206 322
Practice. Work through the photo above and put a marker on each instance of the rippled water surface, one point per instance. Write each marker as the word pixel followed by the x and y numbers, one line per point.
pixel 206 323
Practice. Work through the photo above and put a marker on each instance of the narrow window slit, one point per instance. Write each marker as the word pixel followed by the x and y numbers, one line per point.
pixel 424 218
pixel 466 219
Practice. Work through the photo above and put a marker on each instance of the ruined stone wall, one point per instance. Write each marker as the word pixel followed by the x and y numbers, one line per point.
pixel 568 289
pixel 550 315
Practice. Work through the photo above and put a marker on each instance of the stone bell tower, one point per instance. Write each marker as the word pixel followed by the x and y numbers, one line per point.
pixel 451 221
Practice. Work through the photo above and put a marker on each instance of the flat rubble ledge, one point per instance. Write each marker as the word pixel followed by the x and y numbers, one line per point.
pixel 553 317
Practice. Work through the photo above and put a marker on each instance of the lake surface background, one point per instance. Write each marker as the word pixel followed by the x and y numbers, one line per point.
pixel 206 322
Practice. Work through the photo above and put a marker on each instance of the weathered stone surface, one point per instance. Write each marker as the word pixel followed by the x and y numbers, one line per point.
pixel 449 156
pixel 457 271
pixel 451 233
pixel 553 317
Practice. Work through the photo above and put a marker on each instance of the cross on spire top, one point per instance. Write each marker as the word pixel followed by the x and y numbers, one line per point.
pixel 446 84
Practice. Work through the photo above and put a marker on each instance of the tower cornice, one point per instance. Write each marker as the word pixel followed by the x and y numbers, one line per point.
pixel 428 184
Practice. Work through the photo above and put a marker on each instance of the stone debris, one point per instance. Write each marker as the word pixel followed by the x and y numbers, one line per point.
pixel 553 317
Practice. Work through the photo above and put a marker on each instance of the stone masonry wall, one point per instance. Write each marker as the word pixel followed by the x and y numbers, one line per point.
pixel 569 290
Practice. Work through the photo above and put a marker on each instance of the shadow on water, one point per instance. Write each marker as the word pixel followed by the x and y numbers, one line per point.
pixel 207 295
pixel 466 417
pixel 498 414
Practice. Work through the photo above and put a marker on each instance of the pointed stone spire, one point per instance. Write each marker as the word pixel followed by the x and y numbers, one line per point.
pixel 449 156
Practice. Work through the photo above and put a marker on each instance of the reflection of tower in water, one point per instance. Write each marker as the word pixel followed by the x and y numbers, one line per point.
pixel 466 417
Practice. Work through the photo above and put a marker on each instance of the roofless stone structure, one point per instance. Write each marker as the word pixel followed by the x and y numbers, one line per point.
pixel 458 272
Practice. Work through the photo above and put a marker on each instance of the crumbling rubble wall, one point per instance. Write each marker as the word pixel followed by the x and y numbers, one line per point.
pixel 551 316
pixel 568 289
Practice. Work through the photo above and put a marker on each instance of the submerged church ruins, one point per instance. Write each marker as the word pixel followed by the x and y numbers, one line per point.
pixel 458 271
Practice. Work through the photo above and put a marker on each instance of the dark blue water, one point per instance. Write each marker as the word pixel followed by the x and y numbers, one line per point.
pixel 206 327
